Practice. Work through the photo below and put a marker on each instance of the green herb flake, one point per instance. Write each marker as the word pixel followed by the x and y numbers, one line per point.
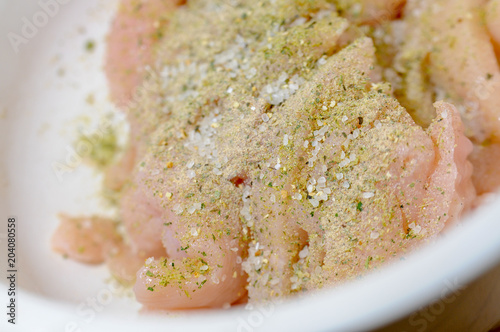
pixel 368 260
pixel 90 46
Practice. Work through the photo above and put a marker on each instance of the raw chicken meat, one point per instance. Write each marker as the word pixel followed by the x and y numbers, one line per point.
pixel 266 158
pixel 85 239
pixel 448 47
pixel 445 51
pixel 370 11
pixel 137 27
pixel 493 22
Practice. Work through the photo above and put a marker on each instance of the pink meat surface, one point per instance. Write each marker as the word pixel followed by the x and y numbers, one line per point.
pixel 124 262
pixel 460 59
pixel 486 174
pixel 231 189
pixel 136 28
pixel 198 273
pixel 492 12
pixel 422 185
pixel 371 12
pixel 85 239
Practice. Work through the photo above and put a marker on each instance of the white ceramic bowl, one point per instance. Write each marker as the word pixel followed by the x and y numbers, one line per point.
pixel 46 78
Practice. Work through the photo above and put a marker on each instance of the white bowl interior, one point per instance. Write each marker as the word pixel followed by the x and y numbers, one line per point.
pixel 43 93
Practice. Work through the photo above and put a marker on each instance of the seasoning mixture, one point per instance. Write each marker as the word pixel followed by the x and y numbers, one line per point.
pixel 282 146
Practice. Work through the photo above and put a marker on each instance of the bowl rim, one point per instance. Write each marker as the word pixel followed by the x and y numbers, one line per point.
pixel 461 255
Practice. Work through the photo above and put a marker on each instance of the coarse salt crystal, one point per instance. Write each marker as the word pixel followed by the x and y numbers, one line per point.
pixel 346 184
pixel 339 176
pixel 190 164
pixel 273 198
pixel 178 209
pixel 417 229
pixel 306 144
pixel 230 90
pixel 285 140
pixel 265 117
pixel 344 162
pixel 191 174
pixel 345 118
pixel 368 194
pixel 304 252
pixel 251 73
pixel 374 235
pixel 314 202
pixel 321 196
